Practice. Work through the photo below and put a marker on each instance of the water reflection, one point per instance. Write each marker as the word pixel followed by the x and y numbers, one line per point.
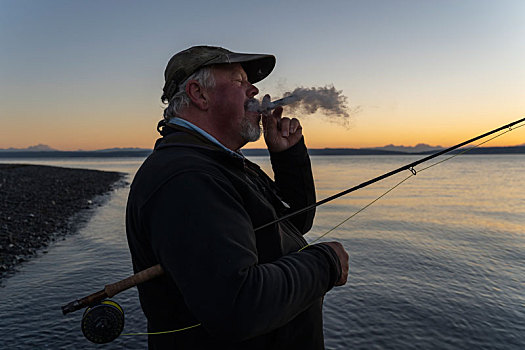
pixel 437 263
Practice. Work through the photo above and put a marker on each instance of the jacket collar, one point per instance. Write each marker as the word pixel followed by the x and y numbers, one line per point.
pixel 177 135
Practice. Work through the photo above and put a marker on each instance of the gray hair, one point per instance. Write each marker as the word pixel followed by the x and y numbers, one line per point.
pixel 180 100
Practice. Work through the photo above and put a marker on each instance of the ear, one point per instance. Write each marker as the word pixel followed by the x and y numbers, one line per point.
pixel 197 94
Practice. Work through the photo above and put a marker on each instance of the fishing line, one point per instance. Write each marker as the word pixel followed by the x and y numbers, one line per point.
pixel 166 332
pixel 357 212
pixel 413 173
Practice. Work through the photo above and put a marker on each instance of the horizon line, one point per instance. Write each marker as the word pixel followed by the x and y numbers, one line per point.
pixel 47 148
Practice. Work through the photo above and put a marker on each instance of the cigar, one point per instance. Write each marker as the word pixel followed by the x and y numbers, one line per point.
pixel 266 105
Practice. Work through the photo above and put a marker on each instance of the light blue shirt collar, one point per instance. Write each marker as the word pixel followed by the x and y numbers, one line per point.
pixel 186 124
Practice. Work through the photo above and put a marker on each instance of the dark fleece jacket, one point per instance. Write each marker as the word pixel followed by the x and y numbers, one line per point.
pixel 194 208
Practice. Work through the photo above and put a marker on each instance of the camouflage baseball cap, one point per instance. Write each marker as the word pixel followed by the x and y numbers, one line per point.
pixel 185 63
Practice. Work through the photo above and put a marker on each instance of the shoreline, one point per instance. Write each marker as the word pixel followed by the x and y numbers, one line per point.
pixel 40 203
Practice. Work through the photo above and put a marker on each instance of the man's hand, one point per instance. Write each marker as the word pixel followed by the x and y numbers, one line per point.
pixel 280 133
pixel 343 260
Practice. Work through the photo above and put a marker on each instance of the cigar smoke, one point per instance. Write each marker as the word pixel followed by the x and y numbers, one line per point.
pixel 304 101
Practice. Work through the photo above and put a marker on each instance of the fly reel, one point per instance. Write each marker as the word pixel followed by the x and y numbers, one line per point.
pixel 102 323
pixel 103 320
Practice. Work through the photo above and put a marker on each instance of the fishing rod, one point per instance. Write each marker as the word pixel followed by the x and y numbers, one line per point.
pixel 393 172
pixel 103 320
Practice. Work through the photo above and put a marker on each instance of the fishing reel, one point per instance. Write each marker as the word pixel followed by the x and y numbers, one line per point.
pixel 103 320
pixel 102 323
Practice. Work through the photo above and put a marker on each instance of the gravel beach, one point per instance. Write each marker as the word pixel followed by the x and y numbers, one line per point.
pixel 37 203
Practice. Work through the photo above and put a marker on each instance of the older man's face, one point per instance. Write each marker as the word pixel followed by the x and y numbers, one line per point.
pixel 228 100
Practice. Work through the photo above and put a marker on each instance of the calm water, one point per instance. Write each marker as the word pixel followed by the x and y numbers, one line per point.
pixel 439 263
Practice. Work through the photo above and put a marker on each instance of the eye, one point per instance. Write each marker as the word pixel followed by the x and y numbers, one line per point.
pixel 240 79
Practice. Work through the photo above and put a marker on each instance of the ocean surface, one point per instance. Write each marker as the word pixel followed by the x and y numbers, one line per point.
pixel 438 263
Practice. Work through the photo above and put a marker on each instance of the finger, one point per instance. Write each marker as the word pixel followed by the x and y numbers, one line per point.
pixel 265 103
pixel 294 126
pixel 344 278
pixel 277 112
pixel 285 127
pixel 271 122
pixel 347 268
pixel 267 119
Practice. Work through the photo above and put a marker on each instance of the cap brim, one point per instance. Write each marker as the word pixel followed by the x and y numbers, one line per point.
pixel 256 66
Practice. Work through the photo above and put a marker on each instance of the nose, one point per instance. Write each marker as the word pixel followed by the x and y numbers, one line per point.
pixel 252 91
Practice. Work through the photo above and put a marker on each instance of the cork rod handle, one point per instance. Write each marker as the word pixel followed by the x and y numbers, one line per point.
pixel 131 281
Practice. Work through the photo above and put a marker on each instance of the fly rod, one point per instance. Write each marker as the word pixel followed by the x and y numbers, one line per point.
pixel 155 271
pixel 393 172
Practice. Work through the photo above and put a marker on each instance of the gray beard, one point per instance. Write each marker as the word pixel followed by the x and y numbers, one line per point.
pixel 249 131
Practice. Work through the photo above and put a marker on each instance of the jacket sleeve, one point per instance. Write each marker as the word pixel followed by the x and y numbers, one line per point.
pixel 293 177
pixel 204 240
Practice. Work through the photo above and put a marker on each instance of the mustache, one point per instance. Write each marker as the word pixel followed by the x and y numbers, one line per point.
pixel 252 105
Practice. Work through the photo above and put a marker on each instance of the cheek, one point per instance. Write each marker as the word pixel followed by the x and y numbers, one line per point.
pixel 228 106
pixel 230 97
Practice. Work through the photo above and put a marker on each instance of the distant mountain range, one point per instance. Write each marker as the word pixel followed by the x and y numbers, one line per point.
pixel 419 148
pixel 36 148
pixel 46 148
pixel 44 151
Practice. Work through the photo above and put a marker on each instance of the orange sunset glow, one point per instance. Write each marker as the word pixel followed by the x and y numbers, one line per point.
pixel 78 77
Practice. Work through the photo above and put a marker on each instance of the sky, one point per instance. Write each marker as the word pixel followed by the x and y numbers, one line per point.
pixel 89 74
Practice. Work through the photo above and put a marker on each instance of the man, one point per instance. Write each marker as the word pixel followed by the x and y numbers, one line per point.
pixel 196 202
